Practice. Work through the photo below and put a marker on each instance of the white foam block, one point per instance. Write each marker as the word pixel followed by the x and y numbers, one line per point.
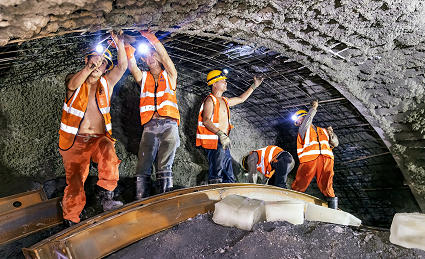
pixel 408 230
pixel 286 210
pixel 319 213
pixel 239 211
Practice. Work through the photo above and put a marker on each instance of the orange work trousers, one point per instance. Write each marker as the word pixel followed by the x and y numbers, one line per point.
pixel 76 160
pixel 323 168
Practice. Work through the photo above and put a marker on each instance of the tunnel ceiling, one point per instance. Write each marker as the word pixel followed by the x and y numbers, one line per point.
pixel 363 60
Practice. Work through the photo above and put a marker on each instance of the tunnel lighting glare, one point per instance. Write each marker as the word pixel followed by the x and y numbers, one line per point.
pixel 143 48
pixel 225 71
pixel 99 49
pixel 294 117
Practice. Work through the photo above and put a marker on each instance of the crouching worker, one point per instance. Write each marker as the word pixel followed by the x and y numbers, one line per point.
pixel 269 161
pixel 159 115
pixel 85 131
pixel 314 147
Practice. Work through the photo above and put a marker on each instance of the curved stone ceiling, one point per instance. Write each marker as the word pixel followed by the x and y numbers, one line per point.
pixel 373 52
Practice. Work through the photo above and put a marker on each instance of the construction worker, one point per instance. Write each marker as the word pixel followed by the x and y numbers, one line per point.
pixel 314 148
pixel 214 126
pixel 159 115
pixel 85 131
pixel 269 161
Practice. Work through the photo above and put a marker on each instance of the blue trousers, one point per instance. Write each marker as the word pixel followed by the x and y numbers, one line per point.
pixel 221 169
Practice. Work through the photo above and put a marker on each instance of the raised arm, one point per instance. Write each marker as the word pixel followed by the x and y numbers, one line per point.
pixel 118 71
pixel 134 70
pixel 305 125
pixel 162 56
pixel 80 77
pixel 241 98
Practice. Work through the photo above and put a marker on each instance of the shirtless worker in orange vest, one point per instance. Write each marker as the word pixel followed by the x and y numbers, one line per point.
pixel 214 127
pixel 85 131
pixel 159 115
pixel 314 148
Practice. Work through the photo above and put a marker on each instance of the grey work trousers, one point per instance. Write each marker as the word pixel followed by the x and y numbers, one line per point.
pixel 159 142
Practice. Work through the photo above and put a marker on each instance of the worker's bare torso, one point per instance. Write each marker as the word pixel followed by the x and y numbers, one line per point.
pixel 223 116
pixel 93 122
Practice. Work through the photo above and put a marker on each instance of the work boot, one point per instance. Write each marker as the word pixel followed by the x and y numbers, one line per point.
pixel 107 199
pixel 332 202
pixel 68 223
pixel 214 181
pixel 143 186
pixel 165 181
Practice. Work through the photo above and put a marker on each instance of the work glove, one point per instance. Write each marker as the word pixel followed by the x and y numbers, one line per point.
pixel 330 131
pixel 129 50
pixel 315 104
pixel 150 36
pixel 224 139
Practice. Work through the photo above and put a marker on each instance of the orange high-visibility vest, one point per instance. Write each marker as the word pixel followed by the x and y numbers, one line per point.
pixel 313 145
pixel 75 108
pixel 205 137
pixel 160 98
pixel 265 157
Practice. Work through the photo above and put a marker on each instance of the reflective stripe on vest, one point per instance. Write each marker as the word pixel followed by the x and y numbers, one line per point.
pixel 166 101
pixel 314 144
pixel 74 110
pixel 205 137
pixel 265 156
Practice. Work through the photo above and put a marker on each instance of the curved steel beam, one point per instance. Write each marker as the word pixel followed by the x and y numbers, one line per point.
pixel 106 233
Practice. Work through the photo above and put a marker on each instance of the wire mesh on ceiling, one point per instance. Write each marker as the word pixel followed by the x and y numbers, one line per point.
pixel 363 163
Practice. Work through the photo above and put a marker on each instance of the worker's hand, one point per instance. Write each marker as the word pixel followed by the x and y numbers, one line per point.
pixel 315 104
pixel 257 82
pixel 150 36
pixel 224 139
pixel 116 38
pixel 94 62
pixel 330 130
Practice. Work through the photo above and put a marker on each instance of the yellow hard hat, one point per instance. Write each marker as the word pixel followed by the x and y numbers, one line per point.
pixel 214 76
pixel 297 115
pixel 107 55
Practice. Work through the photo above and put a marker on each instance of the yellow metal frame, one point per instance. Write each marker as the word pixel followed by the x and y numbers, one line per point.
pixel 106 233
pixel 24 199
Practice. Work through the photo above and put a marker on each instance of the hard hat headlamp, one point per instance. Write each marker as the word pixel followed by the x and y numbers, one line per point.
pixel 298 115
pixel 143 48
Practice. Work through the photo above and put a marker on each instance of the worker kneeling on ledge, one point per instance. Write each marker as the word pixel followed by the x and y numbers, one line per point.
pixel 314 148
pixel 269 161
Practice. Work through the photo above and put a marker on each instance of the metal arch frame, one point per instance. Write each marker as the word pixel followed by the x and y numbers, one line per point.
pixel 106 233
pixel 25 199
